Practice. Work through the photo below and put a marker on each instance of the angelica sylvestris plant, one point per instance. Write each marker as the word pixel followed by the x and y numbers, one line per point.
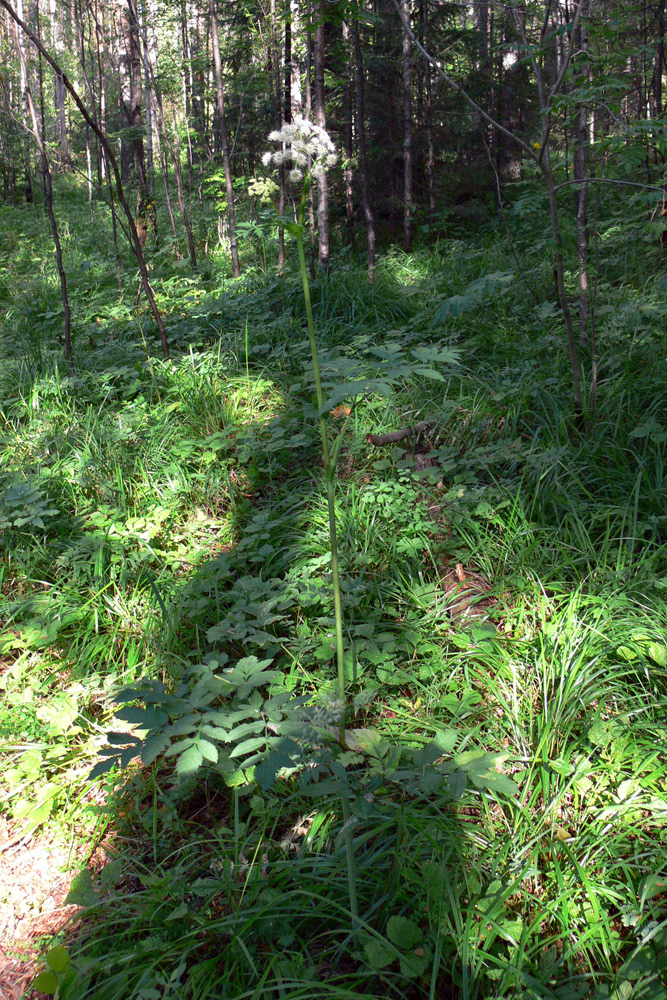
pixel 307 147
pixel 309 152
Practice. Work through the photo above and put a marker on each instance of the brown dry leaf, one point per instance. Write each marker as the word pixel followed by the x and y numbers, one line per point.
pixel 341 411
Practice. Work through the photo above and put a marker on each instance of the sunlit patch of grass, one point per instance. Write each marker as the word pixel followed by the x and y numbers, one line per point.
pixel 190 494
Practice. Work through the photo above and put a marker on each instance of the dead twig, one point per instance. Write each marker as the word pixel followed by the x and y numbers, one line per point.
pixel 393 436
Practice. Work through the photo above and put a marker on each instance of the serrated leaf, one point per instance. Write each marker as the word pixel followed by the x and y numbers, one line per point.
pixel 208 750
pixel 495 782
pixel 378 954
pixel 153 747
pixel 103 767
pixel 268 768
pixel 189 761
pixel 429 373
pixel 248 746
pixel 181 911
pixel 133 714
pixel 81 891
pixel 214 732
pixel 415 963
pixel 458 782
pixel 404 932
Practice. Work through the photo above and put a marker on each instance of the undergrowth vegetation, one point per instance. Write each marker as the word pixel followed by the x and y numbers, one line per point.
pixel 166 557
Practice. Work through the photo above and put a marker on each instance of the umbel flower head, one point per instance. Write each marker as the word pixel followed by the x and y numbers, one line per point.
pixel 301 141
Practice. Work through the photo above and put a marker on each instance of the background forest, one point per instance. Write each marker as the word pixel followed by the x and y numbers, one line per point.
pixel 333 619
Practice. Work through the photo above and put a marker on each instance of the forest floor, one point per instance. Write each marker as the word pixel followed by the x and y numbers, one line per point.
pixel 494 823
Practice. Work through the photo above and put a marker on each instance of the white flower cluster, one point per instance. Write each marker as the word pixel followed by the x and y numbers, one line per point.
pixel 301 140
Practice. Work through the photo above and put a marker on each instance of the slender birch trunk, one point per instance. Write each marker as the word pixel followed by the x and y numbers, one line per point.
pixel 369 218
pixel 408 194
pixel 25 114
pixel 323 248
pixel 132 233
pixel 48 202
pixel 224 142
pixel 348 172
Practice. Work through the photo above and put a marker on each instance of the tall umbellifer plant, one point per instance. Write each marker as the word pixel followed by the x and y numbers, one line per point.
pixel 309 152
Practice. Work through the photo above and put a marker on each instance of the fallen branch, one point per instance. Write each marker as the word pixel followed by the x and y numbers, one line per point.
pixel 381 439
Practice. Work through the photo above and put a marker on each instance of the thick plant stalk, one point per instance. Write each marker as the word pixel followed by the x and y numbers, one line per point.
pixel 329 471
pixel 311 152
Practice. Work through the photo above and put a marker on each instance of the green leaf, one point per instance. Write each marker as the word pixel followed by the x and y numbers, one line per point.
pixel 180 911
pixel 208 750
pixel 153 747
pixel 267 769
pixel 429 373
pixel 248 746
pixel 658 652
pixel 45 982
pixel 81 891
pixel 458 783
pixel 378 955
pixel 413 964
pixel 403 932
pixel 189 761
pixel 57 959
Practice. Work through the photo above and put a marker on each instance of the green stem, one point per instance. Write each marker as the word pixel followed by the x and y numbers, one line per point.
pixel 351 867
pixel 329 474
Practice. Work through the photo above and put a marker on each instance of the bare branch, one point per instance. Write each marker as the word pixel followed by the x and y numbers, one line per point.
pixel 134 238
pixel 457 86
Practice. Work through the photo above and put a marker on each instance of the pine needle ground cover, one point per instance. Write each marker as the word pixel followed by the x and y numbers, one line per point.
pixel 166 543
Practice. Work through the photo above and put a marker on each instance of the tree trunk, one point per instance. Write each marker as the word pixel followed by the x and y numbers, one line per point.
pixel 323 249
pixel 309 110
pixel 274 79
pixel 408 197
pixel 348 172
pixel 23 61
pixel 48 200
pixel 176 162
pixel 287 99
pixel 102 108
pixel 148 62
pixel 132 144
pixel 580 175
pixel 60 118
pixel 361 141
pixel 430 160
pixel 132 233
pixel 80 29
pixel 224 144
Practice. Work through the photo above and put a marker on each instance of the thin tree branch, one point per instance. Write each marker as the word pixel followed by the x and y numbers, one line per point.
pixel 609 180
pixel 570 51
pixel 134 238
pixel 457 86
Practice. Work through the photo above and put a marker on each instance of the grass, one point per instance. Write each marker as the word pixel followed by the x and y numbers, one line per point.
pixel 156 515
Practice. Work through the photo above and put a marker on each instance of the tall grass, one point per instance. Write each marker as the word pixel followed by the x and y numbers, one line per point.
pixel 190 493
